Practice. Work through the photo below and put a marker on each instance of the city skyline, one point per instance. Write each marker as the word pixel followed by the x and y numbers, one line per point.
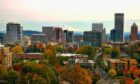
pixel 77 15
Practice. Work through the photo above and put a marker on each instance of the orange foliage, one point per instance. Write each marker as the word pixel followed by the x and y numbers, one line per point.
pixel 49 52
pixel 75 75
pixel 136 73
pixel 129 81
pixel 39 45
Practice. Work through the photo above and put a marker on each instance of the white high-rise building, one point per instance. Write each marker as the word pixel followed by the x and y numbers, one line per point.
pixel 13 33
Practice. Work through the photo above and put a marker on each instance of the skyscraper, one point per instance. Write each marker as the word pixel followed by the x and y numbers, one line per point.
pixel 13 33
pixel 92 38
pixel 114 35
pixel 59 36
pixel 99 28
pixel 119 25
pixel 134 32
pixel 69 36
pixel 48 31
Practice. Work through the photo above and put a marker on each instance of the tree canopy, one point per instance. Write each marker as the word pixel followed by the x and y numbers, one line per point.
pixel 87 50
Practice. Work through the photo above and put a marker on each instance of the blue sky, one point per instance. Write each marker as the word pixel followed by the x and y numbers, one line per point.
pixel 77 15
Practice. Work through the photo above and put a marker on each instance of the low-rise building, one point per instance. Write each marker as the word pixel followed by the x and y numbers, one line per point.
pixel 121 64
pixel 39 38
pixel 5 56
pixel 28 56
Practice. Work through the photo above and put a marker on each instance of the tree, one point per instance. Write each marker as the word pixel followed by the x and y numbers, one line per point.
pixel 87 50
pixel 41 73
pixel 3 72
pixel 17 49
pixel 136 56
pixel 13 77
pixel 107 50
pixel 115 52
pixel 75 75
pixel 112 73
pixel 35 48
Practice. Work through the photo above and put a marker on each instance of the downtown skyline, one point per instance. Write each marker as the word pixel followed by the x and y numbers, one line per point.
pixel 75 15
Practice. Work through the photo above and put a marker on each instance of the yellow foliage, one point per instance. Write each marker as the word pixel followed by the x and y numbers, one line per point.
pixel 75 75
pixel 17 49
pixel 112 72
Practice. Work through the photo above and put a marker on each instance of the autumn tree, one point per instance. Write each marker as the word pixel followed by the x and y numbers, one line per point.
pixel 17 49
pixel 112 73
pixel 33 73
pixel 75 75
pixel 3 72
pixel 87 50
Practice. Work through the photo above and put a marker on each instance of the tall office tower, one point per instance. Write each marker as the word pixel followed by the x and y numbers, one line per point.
pixel 13 33
pixel 69 36
pixel 48 31
pixel 134 32
pixel 119 25
pixel 2 38
pixel 92 38
pixel 114 35
pixel 58 35
pixel 99 28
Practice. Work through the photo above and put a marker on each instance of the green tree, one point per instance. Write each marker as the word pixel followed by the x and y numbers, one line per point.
pixel 136 56
pixel 115 52
pixel 13 77
pixel 87 50
pixel 107 50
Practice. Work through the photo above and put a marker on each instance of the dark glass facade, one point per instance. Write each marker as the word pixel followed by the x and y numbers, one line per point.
pixel 119 25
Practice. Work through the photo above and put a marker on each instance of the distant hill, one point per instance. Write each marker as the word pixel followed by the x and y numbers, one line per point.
pixel 30 32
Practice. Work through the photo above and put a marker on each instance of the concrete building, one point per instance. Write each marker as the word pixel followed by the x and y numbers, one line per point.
pixel 5 56
pixel 134 33
pixel 121 64
pixel 99 27
pixel 48 31
pixel 35 38
pixel 13 33
pixel 54 35
pixel 59 36
pixel 28 56
pixel 92 38
pixel 78 38
pixel 119 25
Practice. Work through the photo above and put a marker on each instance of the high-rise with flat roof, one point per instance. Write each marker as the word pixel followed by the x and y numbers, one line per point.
pixel 92 38
pixel 48 31
pixel 99 28
pixel 119 25
pixel 13 33
pixel 39 38
pixel 69 36
pixel 114 35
